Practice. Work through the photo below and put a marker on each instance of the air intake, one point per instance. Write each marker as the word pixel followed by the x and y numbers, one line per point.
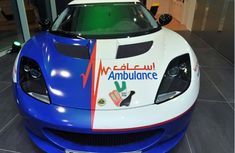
pixel 75 51
pixel 131 50
pixel 106 139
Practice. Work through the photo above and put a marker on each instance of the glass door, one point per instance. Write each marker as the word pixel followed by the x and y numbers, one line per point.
pixel 37 12
pixel 10 27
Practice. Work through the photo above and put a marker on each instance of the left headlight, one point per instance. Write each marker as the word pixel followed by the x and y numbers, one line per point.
pixel 176 79
pixel 32 81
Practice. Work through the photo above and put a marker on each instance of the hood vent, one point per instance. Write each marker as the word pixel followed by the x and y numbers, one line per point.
pixel 75 51
pixel 131 50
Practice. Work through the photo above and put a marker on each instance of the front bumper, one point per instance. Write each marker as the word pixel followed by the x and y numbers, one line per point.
pixel 40 117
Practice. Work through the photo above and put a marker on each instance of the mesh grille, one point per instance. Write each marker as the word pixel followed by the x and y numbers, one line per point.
pixel 105 139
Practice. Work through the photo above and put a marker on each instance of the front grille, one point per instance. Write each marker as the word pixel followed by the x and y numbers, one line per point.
pixel 106 139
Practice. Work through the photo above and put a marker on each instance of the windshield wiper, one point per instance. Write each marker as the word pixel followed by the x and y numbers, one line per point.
pixel 68 33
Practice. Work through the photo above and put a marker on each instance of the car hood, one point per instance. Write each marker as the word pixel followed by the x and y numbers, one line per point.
pixel 104 74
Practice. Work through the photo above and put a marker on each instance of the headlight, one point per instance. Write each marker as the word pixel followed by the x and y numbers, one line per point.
pixel 32 81
pixel 176 79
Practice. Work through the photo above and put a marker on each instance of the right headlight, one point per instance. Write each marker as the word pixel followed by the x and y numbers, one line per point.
pixel 176 79
pixel 32 81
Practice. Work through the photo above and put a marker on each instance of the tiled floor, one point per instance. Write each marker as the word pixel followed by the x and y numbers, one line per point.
pixel 211 128
pixel 176 25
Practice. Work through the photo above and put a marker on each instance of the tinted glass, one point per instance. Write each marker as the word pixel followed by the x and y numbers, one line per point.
pixel 105 20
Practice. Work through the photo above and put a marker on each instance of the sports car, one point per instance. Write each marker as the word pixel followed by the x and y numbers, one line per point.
pixel 106 77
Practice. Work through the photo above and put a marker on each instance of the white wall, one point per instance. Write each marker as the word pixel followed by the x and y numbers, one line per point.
pixel 176 9
pixel 188 10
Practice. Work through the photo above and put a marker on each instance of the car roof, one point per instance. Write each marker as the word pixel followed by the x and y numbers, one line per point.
pixel 99 1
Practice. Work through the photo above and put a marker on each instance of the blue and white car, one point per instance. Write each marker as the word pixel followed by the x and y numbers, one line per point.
pixel 106 78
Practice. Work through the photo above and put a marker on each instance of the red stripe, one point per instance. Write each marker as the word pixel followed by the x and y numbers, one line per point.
pixel 93 94
pixel 94 89
pixel 96 92
pixel 144 127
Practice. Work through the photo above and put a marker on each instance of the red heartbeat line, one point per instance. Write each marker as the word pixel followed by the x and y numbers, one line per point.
pixel 94 88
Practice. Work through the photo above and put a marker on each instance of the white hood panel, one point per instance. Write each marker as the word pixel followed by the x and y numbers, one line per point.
pixel 134 81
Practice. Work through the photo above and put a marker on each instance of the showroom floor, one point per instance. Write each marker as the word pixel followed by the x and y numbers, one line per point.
pixel 211 129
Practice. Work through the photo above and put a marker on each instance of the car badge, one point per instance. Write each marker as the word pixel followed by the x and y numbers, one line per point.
pixel 101 102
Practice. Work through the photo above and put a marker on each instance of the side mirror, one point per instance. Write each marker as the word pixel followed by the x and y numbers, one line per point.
pixel 165 19
pixel 46 24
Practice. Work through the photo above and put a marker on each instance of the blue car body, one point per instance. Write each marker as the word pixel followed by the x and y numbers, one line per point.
pixel 78 114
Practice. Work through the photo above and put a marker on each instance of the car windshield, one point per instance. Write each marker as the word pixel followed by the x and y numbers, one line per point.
pixel 106 20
